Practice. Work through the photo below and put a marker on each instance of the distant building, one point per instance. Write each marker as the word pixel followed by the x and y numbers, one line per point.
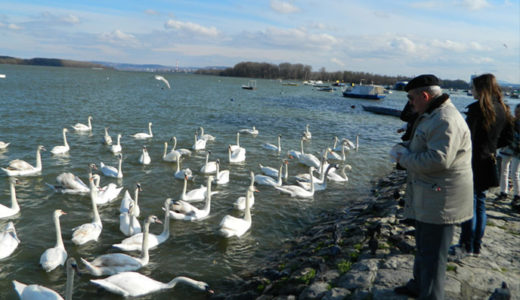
pixel 399 86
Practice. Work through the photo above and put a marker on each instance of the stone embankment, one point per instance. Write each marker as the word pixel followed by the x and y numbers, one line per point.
pixel 366 250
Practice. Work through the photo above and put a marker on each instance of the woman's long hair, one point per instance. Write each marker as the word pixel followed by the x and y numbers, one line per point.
pixel 488 90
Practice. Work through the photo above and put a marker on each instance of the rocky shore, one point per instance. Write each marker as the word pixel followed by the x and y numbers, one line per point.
pixel 365 250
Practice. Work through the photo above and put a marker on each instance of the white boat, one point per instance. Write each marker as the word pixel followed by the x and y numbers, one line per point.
pixel 367 91
pixel 251 85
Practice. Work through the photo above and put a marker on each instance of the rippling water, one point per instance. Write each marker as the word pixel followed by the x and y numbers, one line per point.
pixel 37 102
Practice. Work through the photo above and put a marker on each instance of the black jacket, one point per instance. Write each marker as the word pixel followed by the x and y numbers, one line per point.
pixel 484 144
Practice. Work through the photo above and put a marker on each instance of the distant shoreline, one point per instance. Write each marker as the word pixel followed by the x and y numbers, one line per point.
pixel 51 62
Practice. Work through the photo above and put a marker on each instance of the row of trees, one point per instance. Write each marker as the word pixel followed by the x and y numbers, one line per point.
pixel 287 71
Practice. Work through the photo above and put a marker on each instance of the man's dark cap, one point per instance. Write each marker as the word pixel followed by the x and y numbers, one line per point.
pixel 422 81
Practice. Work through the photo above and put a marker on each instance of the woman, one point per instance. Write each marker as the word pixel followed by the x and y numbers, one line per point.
pixel 487 118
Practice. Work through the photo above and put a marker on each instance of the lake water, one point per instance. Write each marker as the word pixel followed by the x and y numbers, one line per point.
pixel 37 102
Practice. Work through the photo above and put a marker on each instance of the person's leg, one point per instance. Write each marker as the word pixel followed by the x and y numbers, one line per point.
pixel 515 171
pixel 433 248
pixel 411 288
pixel 467 233
pixel 480 224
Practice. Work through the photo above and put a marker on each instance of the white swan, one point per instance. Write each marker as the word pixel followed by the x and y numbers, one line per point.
pixel 19 167
pixel 209 167
pixel 143 135
pixel 62 149
pixel 8 240
pixel 3 145
pixel 128 223
pixel 298 191
pixel 199 144
pixel 107 193
pixel 83 127
pixel 307 135
pixel 107 139
pixel 169 156
pixel 252 131
pixel 127 199
pixel 322 183
pixel 233 226
pixel 89 231
pixel 135 242
pixel 221 177
pixel 117 147
pixel 240 203
pixel 273 147
pixel 110 171
pixel 296 154
pixel 133 284
pixel 308 159
pixel 113 263
pixel 38 292
pixel 144 158
pixel 342 177
pixel 68 183
pixel 195 194
pixel 205 136
pixel 268 180
pixel 270 171
pixel 237 146
pixel 236 156
pixel 181 210
pixel 335 156
pixel 54 257
pixel 5 211
pixel 182 151
pixel 180 174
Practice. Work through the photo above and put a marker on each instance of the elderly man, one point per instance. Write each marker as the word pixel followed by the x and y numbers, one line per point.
pixel 439 184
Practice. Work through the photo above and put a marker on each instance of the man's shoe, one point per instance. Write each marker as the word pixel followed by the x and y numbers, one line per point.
pixel 457 253
pixel 501 197
pixel 404 290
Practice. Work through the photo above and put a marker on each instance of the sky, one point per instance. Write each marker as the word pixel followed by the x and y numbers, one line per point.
pixel 452 39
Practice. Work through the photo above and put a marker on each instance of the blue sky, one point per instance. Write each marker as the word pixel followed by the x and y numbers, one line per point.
pixel 450 38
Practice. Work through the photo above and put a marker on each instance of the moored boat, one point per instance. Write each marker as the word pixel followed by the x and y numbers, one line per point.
pixel 369 91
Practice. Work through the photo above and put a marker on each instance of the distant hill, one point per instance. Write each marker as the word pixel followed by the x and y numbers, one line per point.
pixel 53 62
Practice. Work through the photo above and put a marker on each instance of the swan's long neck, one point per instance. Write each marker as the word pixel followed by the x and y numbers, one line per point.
pixel 106 132
pixel 279 144
pixel 218 168
pixel 229 154
pixel 96 181
pixel 343 155
pixel 119 169
pixel 166 228
pixel 182 279
pixel 280 175
pixel 301 146
pixel 238 139
pixel 343 174
pixel 208 193
pixel 93 196
pixel 89 123
pixel 286 174
pixel 178 162
pixel 38 159
pixel 357 142
pixel 65 138
pixel 119 140
pixel 335 142
pixel 165 149
pixel 247 214
pixel 136 196
pixel 252 179
pixel 59 240
pixel 70 282
pixel 184 187
pixel 145 257
pixel 174 143
pixel 14 202
pixel 150 128
pixel 201 131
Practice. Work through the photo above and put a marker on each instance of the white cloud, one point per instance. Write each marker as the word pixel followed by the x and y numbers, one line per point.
pixel 283 7
pixel 403 44
pixel 71 19
pixel 337 62
pixel 13 27
pixel 298 38
pixel 474 4
pixel 192 28
pixel 449 45
pixel 482 60
pixel 151 12
pixel 51 18
pixel 117 37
